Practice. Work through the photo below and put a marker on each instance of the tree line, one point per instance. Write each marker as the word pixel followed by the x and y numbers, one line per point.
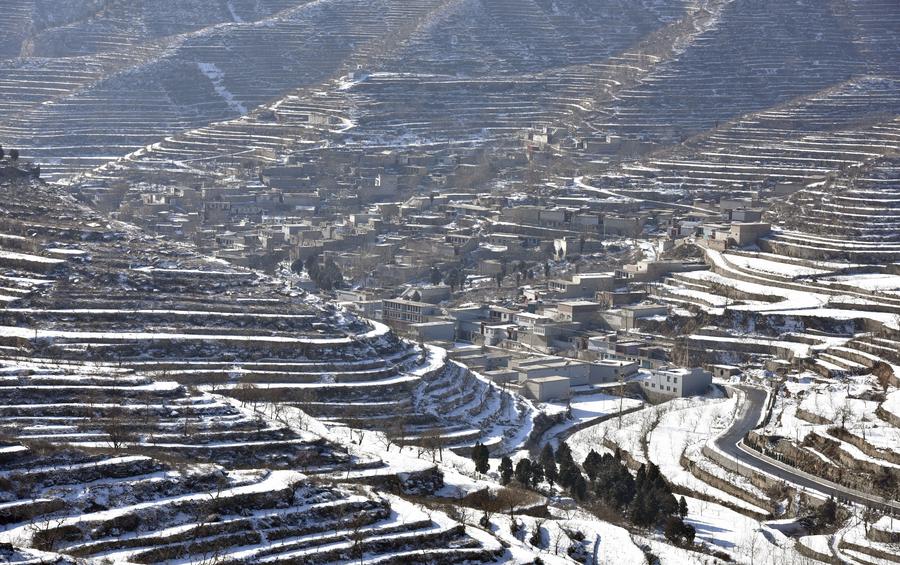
pixel 327 276
pixel 645 499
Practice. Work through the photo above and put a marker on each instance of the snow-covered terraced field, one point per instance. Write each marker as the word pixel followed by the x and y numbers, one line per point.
pixel 727 72
pixel 139 510
pixel 816 268
pixel 135 76
pixel 136 410
pixel 728 511
pixel 670 435
pixel 855 218
pixel 160 316
pixel 839 428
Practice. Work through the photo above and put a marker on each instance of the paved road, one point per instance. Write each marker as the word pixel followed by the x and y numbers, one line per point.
pixel 730 443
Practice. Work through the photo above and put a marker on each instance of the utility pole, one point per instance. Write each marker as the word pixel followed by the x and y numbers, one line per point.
pixel 621 401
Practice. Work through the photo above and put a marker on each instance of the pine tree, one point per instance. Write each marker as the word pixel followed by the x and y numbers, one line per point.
pixel 580 487
pixel 640 478
pixel 642 514
pixel 667 504
pixel 480 455
pixel 523 471
pixel 653 474
pixel 455 279
pixel 563 452
pixel 592 464
pixel 549 462
pixel 674 530
pixel 826 514
pixel 537 474
pixel 312 265
pixel 568 475
pixel 329 277
pixel 564 456
pixel 682 508
pixel 506 470
pixel 689 533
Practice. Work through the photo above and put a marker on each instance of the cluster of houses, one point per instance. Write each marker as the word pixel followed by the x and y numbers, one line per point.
pixel 553 378
pixel 408 231
pixel 385 217
pixel 574 334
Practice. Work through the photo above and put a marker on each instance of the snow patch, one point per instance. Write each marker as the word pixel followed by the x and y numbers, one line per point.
pixel 216 77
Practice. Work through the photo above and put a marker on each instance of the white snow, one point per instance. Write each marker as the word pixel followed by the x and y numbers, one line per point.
pixel 216 77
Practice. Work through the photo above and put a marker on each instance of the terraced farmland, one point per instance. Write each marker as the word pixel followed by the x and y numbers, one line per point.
pixel 133 76
pixel 155 420
pixel 160 406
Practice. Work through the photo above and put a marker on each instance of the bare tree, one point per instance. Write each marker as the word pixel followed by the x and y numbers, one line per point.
pixel 116 428
pixel 432 443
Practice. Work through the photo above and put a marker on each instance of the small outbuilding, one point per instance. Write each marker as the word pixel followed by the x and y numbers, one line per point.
pixel 544 389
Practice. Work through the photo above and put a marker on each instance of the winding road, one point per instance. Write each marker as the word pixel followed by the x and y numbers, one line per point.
pixel 731 443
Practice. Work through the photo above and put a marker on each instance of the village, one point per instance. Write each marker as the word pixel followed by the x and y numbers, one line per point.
pixel 443 282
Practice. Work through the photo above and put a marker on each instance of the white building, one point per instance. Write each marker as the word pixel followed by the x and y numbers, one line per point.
pixel 676 382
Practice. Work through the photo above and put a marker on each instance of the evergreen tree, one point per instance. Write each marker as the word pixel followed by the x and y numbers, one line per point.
pixel 653 500
pixel 653 475
pixel 549 463
pixel 689 533
pixel 523 471
pixel 826 515
pixel 547 454
pixel 642 512
pixel 614 484
pixel 666 503
pixel 682 508
pixel 480 455
pixel 455 279
pixel 537 474
pixel 580 487
pixel 568 475
pixel 679 533
pixel 312 266
pixel 330 276
pixel 506 470
pixel 564 456
pixel 435 276
pixel 674 530
pixel 640 478
pixel 592 464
